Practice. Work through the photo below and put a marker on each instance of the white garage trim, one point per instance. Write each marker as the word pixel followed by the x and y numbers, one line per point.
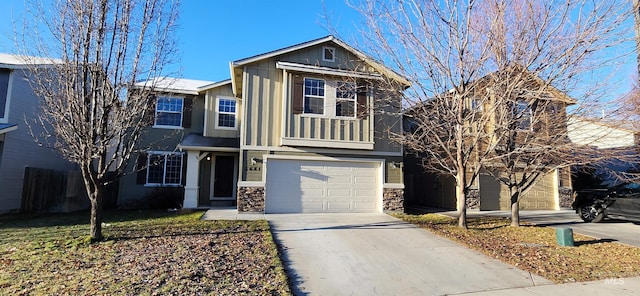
pixel 322 184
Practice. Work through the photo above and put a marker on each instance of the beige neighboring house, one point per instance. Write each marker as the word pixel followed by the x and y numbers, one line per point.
pixel 18 149
pixel 294 130
pixel 551 191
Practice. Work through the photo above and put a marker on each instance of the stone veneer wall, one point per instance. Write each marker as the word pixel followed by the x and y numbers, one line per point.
pixel 250 199
pixel 393 199
pixel 473 199
pixel 566 197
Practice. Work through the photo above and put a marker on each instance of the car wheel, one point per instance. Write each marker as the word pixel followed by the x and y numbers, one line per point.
pixel 591 213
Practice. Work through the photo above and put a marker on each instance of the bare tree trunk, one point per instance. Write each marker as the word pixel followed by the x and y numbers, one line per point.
pixel 515 208
pixel 462 200
pixel 96 215
pixel 636 18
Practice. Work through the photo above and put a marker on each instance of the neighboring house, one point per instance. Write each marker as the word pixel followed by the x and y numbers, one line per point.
pixel 294 130
pixel 615 138
pixel 601 134
pixel 19 107
pixel 551 191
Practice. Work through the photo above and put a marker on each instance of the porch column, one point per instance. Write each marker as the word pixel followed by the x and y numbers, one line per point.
pixel 191 188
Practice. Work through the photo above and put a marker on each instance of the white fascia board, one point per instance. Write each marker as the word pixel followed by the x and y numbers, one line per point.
pixel 322 150
pixel 327 144
pixel 214 85
pixel 8 129
pixel 208 148
pixel 325 71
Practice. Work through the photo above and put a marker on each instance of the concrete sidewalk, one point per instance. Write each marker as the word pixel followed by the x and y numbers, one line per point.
pixel 368 254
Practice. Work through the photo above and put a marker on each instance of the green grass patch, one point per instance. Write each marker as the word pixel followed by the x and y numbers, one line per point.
pixel 144 253
pixel 534 249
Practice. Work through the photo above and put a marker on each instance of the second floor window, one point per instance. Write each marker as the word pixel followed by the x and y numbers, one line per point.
pixel 523 115
pixel 313 96
pixel 164 168
pixel 345 99
pixel 226 115
pixel 169 112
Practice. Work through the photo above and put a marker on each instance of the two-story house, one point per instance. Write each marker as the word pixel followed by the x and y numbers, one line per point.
pixel 524 123
pixel 299 129
pixel 19 108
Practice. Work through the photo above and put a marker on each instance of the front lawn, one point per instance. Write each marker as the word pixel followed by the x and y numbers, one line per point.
pixel 144 253
pixel 535 249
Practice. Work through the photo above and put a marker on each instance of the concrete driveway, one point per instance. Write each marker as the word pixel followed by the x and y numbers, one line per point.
pixel 376 254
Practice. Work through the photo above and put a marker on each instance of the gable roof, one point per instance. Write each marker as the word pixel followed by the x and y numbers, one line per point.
pixel 236 66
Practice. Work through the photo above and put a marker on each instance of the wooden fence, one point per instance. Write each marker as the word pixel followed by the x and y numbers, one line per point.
pixel 51 191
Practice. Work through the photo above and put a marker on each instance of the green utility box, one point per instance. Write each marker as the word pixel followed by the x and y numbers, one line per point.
pixel 564 236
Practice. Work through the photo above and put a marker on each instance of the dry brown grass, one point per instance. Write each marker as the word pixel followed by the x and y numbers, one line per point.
pixel 145 253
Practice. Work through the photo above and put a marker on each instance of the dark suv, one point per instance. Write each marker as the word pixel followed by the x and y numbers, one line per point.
pixel 620 202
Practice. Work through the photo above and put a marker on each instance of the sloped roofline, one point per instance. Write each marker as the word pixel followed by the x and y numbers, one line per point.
pixel 16 61
pixel 384 70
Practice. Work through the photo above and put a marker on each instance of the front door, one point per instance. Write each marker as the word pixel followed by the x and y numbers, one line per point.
pixel 223 177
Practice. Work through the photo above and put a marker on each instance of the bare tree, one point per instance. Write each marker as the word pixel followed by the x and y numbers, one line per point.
pixel 447 48
pixel 91 108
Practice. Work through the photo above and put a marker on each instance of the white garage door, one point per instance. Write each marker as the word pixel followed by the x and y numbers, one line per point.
pixel 296 186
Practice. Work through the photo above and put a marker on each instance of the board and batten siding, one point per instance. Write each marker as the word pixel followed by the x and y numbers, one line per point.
pixel 323 128
pixel 262 99
pixel 210 109
pixel 263 87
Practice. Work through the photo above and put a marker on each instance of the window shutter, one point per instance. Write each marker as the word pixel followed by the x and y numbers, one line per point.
pixel 363 108
pixel 187 106
pixel 141 168
pixel 298 94
pixel 150 118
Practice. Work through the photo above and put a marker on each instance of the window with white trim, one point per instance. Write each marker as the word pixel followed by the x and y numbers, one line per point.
pixel 328 54
pixel 345 99
pixel 313 96
pixel 226 113
pixel 164 168
pixel 169 112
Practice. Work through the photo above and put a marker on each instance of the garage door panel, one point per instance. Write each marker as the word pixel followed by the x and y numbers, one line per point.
pixel 322 186
pixel 364 192
pixel 337 192
pixel 364 206
pixel 341 206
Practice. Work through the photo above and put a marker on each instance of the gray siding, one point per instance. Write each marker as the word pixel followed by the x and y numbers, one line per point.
pixel 19 148
pixel 159 139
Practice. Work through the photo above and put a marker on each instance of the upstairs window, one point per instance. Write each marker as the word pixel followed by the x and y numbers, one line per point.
pixel 226 113
pixel 314 96
pixel 169 112
pixel 345 99
pixel 523 115
pixel 164 169
pixel 328 54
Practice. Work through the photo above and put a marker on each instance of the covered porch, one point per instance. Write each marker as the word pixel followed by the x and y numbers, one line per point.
pixel 212 171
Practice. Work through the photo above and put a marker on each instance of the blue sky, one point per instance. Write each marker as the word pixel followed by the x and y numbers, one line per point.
pixel 213 32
